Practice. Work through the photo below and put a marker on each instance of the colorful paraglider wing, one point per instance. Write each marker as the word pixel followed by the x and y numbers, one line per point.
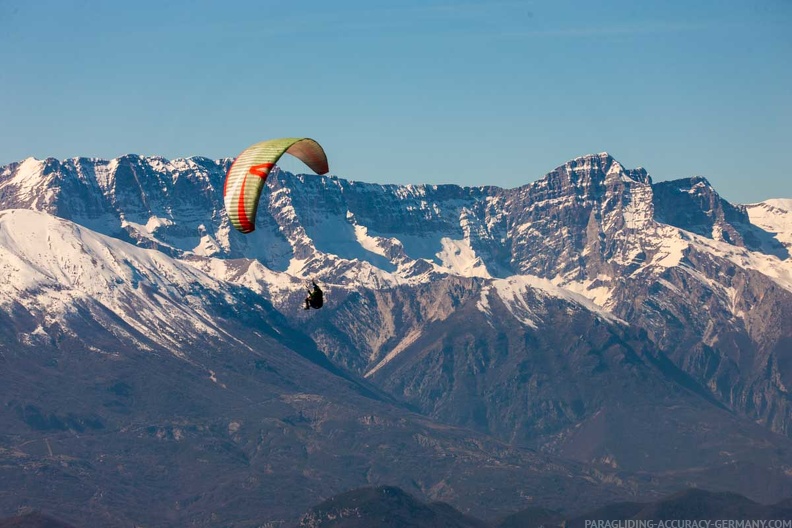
pixel 246 177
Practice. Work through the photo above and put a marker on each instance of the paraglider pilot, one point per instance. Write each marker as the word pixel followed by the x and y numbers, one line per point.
pixel 315 298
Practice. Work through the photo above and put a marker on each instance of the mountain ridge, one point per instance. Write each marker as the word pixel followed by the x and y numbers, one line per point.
pixel 540 324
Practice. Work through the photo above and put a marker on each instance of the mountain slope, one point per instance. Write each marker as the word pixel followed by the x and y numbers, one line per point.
pixel 139 390
pixel 384 507
pixel 388 506
pixel 558 315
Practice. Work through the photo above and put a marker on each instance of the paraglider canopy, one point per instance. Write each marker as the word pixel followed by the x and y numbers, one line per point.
pixel 245 179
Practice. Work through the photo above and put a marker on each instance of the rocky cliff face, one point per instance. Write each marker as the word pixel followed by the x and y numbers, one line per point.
pixel 593 315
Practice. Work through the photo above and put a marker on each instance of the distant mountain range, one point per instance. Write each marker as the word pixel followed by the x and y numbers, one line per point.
pixel 588 338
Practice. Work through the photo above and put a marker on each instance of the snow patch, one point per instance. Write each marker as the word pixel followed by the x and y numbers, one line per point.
pixel 671 251
pixel 458 257
pixel 28 176
pixel 780 271
pixel 775 217
pixel 513 291
pixel 368 243
pixel 595 291
pixel 483 304
pixel 780 203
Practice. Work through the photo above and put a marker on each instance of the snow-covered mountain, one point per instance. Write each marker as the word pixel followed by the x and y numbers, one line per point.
pixel 557 316
pixel 651 254
pixel 138 390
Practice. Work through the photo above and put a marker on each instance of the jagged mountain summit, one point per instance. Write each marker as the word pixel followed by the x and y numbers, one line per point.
pixel 176 206
pixel 555 317
pixel 650 254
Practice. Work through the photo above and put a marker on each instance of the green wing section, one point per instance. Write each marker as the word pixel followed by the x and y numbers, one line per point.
pixel 246 177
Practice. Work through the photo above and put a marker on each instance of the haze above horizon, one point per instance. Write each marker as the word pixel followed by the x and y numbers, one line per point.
pixel 464 92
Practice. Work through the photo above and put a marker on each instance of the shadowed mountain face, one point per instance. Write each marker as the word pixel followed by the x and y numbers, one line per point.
pixel 690 505
pixel 33 520
pixel 387 506
pixel 532 518
pixel 591 334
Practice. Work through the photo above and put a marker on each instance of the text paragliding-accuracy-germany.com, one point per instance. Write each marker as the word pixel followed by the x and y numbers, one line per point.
pixel 681 523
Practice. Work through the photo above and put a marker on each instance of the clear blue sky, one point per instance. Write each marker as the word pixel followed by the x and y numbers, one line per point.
pixel 412 91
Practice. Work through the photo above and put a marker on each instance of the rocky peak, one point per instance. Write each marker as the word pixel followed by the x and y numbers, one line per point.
pixel 584 215
pixel 693 205
pixel 587 175
pixel 423 298
pixel 579 213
